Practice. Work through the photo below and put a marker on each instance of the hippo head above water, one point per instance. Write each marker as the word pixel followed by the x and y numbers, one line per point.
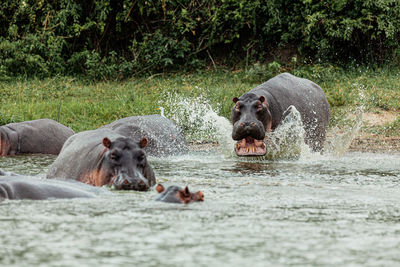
pixel 123 165
pixel 175 194
pixel 251 120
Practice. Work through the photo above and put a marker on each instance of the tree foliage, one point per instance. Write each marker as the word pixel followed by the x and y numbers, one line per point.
pixel 115 39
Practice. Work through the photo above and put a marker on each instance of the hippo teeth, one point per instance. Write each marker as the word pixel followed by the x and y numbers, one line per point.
pixel 250 147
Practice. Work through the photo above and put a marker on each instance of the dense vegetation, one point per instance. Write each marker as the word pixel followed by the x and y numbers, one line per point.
pixel 102 40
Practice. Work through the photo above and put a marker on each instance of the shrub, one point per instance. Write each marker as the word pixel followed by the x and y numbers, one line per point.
pixel 45 38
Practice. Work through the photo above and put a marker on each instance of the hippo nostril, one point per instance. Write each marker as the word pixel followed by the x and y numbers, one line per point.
pixel 126 181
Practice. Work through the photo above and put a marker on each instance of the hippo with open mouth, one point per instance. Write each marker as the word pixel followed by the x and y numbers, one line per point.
pixel 262 109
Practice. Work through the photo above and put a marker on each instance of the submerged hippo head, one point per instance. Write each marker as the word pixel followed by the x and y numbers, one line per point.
pixel 124 165
pixel 251 120
pixel 175 194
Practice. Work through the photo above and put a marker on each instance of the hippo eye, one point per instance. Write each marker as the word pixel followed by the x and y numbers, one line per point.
pixel 141 160
pixel 140 157
pixel 114 156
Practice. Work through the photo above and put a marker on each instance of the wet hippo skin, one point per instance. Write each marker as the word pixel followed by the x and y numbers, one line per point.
pixel 263 108
pixel 104 157
pixel 25 187
pixel 175 194
pixel 44 136
pixel 165 137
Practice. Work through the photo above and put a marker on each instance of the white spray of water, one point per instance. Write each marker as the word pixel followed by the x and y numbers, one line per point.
pixel 200 121
pixel 339 139
pixel 287 140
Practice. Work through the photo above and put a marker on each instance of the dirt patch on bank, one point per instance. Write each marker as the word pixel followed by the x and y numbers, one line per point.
pixel 369 142
pixel 379 119
pixel 375 143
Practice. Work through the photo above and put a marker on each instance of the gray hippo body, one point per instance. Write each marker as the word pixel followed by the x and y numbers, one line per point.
pixel 44 136
pixel 263 108
pixel 165 137
pixel 100 157
pixel 24 187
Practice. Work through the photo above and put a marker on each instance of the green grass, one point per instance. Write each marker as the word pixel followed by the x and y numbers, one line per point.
pixel 84 105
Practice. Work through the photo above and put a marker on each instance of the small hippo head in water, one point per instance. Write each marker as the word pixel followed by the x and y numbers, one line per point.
pixel 123 165
pixel 251 120
pixel 175 194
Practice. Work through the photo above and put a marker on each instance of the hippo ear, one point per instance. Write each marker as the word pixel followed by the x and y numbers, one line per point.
pixel 187 192
pixel 160 188
pixel 235 99
pixel 106 142
pixel 184 195
pixel 143 143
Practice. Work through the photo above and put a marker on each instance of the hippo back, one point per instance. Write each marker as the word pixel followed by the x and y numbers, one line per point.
pixel 24 187
pixel 308 98
pixel 165 137
pixel 44 136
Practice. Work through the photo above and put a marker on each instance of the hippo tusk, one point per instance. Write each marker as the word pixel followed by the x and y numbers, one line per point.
pixel 269 126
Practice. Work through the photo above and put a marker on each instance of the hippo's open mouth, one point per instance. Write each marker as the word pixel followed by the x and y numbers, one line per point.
pixel 250 147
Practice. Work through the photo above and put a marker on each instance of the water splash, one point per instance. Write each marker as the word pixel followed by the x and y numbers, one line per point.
pixel 199 120
pixel 202 124
pixel 338 139
pixel 287 140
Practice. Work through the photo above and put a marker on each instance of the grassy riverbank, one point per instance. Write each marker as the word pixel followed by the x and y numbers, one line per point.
pixel 86 105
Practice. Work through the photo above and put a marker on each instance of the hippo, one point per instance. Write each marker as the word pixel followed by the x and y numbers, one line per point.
pixel 165 137
pixel 262 109
pixel 175 194
pixel 104 157
pixel 44 136
pixel 25 187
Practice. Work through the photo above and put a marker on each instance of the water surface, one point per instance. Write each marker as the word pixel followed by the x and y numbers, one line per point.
pixel 318 210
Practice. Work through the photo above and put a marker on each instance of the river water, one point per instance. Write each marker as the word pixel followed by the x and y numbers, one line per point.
pixel 333 209
pixel 322 210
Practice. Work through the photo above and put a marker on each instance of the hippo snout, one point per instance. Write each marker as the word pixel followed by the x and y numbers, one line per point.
pixel 248 127
pixel 125 182
pixel 242 129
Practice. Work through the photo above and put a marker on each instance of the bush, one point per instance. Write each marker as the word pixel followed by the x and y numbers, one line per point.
pixel 116 39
